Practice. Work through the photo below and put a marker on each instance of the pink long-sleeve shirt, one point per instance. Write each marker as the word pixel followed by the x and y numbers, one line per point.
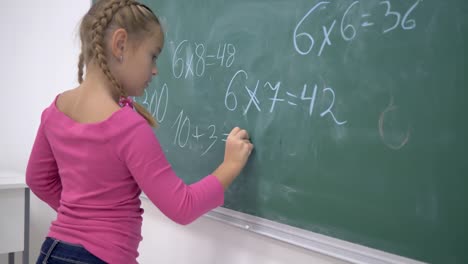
pixel 93 175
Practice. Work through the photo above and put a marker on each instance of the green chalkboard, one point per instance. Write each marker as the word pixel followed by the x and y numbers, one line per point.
pixel 356 109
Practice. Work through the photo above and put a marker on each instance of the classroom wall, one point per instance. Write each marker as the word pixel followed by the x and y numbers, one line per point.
pixel 38 52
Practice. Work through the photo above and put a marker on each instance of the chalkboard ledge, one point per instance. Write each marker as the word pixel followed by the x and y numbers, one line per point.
pixel 315 242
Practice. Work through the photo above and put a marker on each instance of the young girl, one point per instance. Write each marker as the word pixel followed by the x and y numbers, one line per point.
pixel 94 154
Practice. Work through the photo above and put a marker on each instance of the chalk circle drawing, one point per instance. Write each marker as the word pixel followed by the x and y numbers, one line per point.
pixel 393 141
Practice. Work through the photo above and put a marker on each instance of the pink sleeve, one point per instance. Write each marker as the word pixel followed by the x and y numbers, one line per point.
pixel 42 173
pixel 147 163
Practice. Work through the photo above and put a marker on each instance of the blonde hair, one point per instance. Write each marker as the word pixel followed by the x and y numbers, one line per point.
pixel 134 17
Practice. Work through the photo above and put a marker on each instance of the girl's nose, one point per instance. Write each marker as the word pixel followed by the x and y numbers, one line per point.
pixel 155 71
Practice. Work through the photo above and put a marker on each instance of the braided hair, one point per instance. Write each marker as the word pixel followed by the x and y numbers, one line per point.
pixel 136 18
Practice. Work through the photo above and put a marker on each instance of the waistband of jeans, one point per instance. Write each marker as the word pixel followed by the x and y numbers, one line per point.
pixel 51 240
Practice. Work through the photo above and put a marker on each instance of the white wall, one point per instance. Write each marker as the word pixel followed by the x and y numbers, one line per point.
pixel 208 241
pixel 38 53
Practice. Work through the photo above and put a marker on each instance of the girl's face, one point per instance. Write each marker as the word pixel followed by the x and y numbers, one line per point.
pixel 139 63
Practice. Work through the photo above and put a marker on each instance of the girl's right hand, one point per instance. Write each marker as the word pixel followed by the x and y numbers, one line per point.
pixel 236 154
pixel 238 148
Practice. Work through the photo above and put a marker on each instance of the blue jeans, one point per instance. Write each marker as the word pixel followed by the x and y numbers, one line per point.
pixel 54 251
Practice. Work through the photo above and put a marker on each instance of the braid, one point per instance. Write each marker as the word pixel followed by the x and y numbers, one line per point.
pixel 80 68
pixel 98 29
pixel 97 35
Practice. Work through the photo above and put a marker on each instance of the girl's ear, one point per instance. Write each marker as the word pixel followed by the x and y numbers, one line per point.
pixel 119 43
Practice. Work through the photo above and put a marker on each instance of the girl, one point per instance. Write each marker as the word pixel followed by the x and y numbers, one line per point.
pixel 93 154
